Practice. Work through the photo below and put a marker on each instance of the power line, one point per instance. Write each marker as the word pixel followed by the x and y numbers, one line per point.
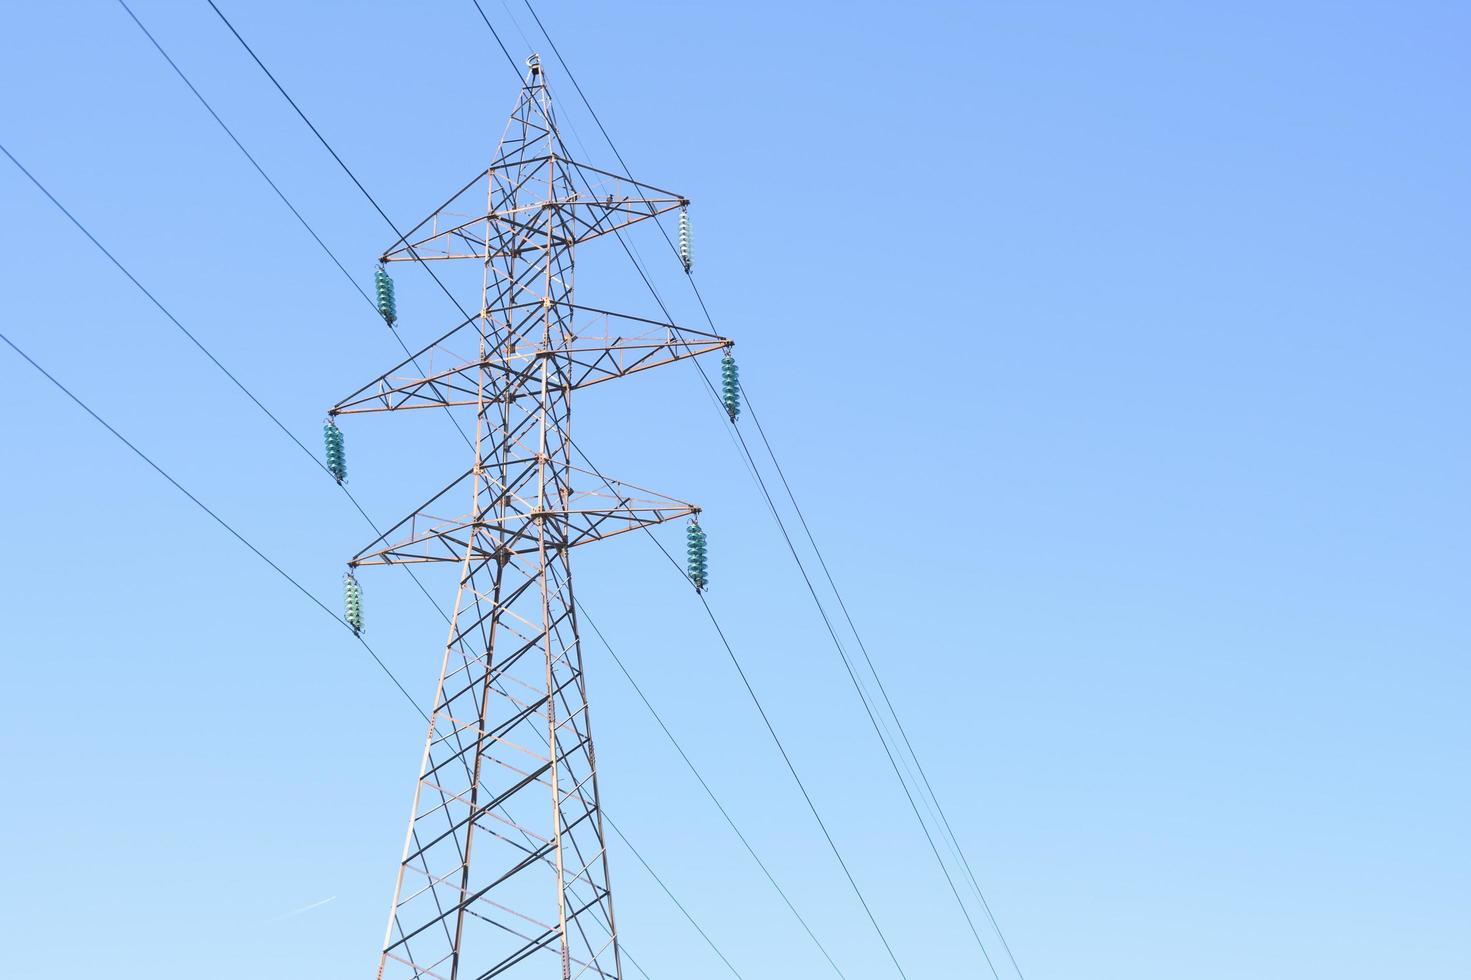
pixel 285 200
pixel 791 767
pixel 204 507
pixel 868 710
pixel 358 183
pixel 706 786
pixel 162 309
pixel 781 747
pixel 805 795
pixel 339 265
pixel 328 146
pixel 775 514
pixel 195 340
pixel 643 275
pixel 353 177
pixel 192 338
pixel 253 162
pixel 92 238
pixel 311 231
pixel 676 901
pixel 298 109
pixel 898 722
pixel 495 34
pixel 669 317
pixel 953 841
pixel 872 719
pixel 322 606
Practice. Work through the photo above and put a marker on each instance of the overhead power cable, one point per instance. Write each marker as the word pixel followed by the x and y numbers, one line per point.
pixel 756 474
pixel 747 453
pixel 781 747
pixel 358 183
pixel 312 232
pixel 847 665
pixel 318 239
pixel 708 791
pixel 628 249
pixel 206 508
pixel 200 345
pixel 146 292
pixel 954 841
pixel 669 318
pixel 805 795
pixel 163 309
pixel 328 146
pixel 320 605
pixel 253 162
pixel 296 212
pixel 947 832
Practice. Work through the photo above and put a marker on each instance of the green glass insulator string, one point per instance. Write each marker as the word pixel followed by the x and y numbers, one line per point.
pixel 336 458
pixel 352 602
pixel 387 305
pixel 730 384
pixel 698 568
pixel 686 255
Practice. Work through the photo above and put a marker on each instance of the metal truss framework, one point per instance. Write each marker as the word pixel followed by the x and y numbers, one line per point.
pixel 505 863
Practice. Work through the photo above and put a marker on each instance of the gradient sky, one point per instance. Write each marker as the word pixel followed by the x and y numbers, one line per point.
pixel 1117 353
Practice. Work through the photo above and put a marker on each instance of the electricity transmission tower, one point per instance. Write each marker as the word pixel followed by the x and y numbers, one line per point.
pixel 505 863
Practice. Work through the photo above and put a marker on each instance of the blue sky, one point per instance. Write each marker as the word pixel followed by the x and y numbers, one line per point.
pixel 1116 353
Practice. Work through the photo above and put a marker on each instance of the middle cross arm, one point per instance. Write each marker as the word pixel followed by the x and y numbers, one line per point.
pixel 507 521
pixel 578 360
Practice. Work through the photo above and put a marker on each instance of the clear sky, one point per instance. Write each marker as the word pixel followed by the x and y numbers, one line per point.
pixel 1117 353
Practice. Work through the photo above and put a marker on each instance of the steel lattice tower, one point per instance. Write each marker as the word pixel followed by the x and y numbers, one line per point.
pixel 505 858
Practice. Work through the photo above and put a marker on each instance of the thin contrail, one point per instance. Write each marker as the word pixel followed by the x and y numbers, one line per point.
pixel 307 908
